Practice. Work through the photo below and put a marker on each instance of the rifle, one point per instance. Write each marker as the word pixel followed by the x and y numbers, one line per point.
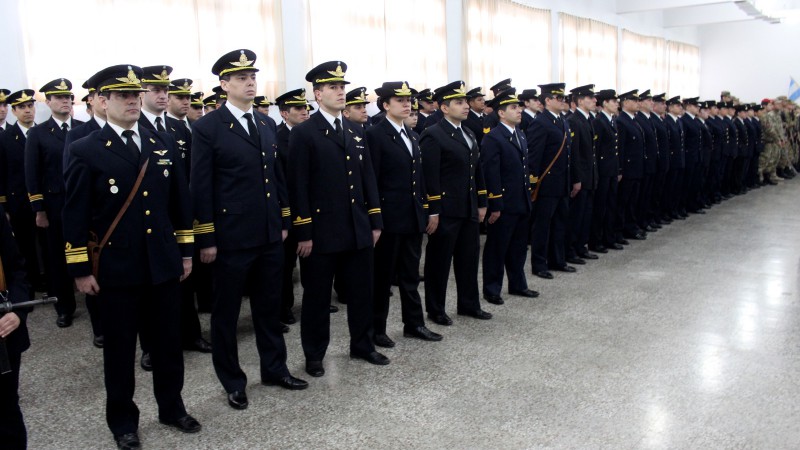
pixel 6 307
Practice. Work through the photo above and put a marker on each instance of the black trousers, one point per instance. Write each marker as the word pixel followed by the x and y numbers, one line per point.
pixel 155 312
pixel 289 263
pixel 95 314
pixel 737 174
pixel 354 269
pixel 24 226
pixel 579 223
pixel 255 272
pixel 603 213
pixel 13 435
pixel 506 248
pixel 190 323
pixel 657 197
pixel 689 182
pixel 673 190
pixel 397 257
pixel 548 236
pixel 628 197
pixel 712 188
pixel 457 242
pixel 645 211
pixel 725 179
pixel 59 283
pixel 202 285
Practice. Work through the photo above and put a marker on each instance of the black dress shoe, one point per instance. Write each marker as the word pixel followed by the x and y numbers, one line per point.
pixel 615 246
pixel 128 441
pixel 544 274
pixel 441 319
pixel 588 255
pixel 64 320
pixel 382 340
pixel 623 241
pixel 186 424
pixel 288 382
pixel 529 293
pixel 287 317
pixel 315 369
pixel 238 400
pixel 285 328
pixel 478 314
pixel 372 357
pixel 598 249
pixel 638 237
pixel 565 268
pixel 98 341
pixel 493 299
pixel 421 332
pixel 334 309
pixel 200 345
pixel 650 229
pixel 576 260
pixel 145 362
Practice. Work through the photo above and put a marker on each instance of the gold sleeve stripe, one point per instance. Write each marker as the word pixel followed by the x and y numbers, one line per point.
pixel 301 221
pixel 425 206
pixel 82 258
pixel 492 196
pixel 483 192
pixel 374 211
pixel 184 232
pixel 286 213
pixel 35 197
pixel 183 239
pixel 434 197
pixel 204 228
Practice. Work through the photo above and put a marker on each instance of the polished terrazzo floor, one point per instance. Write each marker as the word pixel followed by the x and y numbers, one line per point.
pixel 690 339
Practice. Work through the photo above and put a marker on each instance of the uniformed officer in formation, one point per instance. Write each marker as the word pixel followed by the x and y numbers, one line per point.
pixel 4 93
pixel 603 236
pixel 661 210
pixel 675 189
pixel 504 162
pixel 397 162
pixel 240 224
pixel 355 109
pixel 337 219
pixel 128 176
pixel 456 195
pixel 645 209
pixel 44 156
pixel 477 104
pixel 195 107
pixel 631 141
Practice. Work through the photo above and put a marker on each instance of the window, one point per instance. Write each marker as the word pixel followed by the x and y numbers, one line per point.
pixel 588 52
pixel 505 39
pixel 644 63
pixel 684 69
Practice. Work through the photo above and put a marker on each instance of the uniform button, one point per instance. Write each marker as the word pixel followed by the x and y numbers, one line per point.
pixel 145 194
pixel 149 231
pixel 348 158
pixel 349 172
pixel 351 187
pixel 224 210
pixel 265 166
pixel 317 209
pixel 147 213
pixel 267 194
pixel 266 180
pixel 352 200
pixel 413 183
pixel 263 154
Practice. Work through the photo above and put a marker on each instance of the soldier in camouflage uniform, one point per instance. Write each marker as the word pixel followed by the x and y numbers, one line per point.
pixel 773 138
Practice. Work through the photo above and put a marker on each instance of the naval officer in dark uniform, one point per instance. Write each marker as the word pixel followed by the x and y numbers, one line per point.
pixel 337 219
pixel 242 217
pixel 145 255
pixel 584 171
pixel 456 195
pixel 504 162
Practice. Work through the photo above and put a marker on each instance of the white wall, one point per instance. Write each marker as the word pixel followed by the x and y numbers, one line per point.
pixel 752 59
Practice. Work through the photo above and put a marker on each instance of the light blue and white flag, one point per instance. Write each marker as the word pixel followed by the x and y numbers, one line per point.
pixel 794 89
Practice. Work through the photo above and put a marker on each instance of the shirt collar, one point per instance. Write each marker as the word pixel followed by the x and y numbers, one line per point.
pixel 585 114
pixel 673 116
pixel 99 120
pixel 691 116
pixel 22 127
pixel 61 123
pixel 510 130
pixel 451 123
pixel 557 116
pixel 629 114
pixel 608 116
pixel 176 117
pixel 152 118
pixel 396 126
pixel 530 113
pixel 118 129
pixel 476 113
pixel 645 113
pixel 330 118
pixel 238 113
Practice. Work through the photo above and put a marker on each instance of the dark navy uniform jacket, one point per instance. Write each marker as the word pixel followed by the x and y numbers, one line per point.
pixel 76 133
pixel 650 144
pixel 44 166
pixel 475 124
pixel 453 175
pixel 631 146
pixel 662 135
pixel 545 137
pixel 332 186
pixel 676 153
pixel 18 287
pixel 504 161
pixel 692 138
pixel 155 233
pixel 13 191
pixel 742 140
pixel 732 149
pixel 607 147
pixel 719 136
pixel 752 137
pixel 584 163
pixel 238 187
pixel 177 129
pixel 399 175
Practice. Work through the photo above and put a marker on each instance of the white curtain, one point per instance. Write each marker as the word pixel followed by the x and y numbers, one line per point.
pixel 588 52
pixel 643 63
pixel 503 39
pixel 381 40
pixel 684 69
pixel 188 35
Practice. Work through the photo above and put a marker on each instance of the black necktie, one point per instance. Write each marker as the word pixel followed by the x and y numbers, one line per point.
pixel 128 135
pixel 403 134
pixel 516 139
pixel 461 137
pixel 65 128
pixel 337 125
pixel 251 128
pixel 159 127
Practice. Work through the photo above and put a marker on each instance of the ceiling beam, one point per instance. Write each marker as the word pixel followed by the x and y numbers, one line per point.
pixel 637 6
pixel 703 15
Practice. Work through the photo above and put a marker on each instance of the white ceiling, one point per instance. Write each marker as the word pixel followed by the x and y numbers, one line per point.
pixel 680 13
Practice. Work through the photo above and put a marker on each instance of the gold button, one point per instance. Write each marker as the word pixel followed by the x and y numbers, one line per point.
pixel 147 213
pixel 317 210
pixel 145 193
pixel 267 194
pixel 348 158
pixel 352 200
pixel 349 172
pixel 149 231
pixel 266 180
